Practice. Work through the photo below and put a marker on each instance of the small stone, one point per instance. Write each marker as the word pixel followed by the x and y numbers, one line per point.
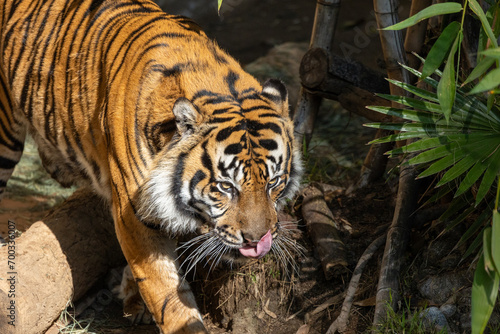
pixel 440 287
pixel 434 319
pixel 448 310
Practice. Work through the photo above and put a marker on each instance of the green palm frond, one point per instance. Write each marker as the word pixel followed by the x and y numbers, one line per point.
pixel 465 147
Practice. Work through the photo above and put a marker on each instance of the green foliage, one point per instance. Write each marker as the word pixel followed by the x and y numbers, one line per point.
pixel 454 132
pixel 437 9
pixel 465 146
pixel 406 321
pixel 486 278
pixel 440 49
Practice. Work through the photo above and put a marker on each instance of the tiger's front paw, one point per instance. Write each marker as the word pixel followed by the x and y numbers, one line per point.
pixel 135 310
pixel 134 307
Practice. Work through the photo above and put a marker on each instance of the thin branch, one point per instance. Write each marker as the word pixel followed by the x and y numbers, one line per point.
pixel 340 324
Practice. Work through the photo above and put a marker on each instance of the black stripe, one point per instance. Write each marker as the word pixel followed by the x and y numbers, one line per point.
pixel 270 115
pixel 206 161
pixel 94 4
pixel 253 97
pixel 221 119
pixel 226 132
pixel 268 144
pixel 170 71
pixel 264 107
pixel 197 178
pixel 152 226
pixel 218 99
pixel 231 79
pixel 233 149
pixel 177 182
pixel 151 40
pixel 165 302
pixel 221 111
pixel 203 93
pixel 219 56
pixel 255 126
pixel 15 144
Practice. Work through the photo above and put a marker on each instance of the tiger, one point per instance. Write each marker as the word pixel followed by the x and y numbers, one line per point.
pixel 161 122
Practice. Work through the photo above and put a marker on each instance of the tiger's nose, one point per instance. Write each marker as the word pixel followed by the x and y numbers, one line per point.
pixel 251 238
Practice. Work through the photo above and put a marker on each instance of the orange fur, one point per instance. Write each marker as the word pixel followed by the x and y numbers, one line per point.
pixel 161 122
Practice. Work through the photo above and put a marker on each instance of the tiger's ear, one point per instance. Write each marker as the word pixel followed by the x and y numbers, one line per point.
pixel 275 91
pixel 186 115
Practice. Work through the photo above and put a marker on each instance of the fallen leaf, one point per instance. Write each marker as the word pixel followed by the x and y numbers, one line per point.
pixel 304 329
pixel 367 302
pixel 268 312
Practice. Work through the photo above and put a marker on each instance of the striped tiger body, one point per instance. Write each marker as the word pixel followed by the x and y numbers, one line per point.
pixel 163 124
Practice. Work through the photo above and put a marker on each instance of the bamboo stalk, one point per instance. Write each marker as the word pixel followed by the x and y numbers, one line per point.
pixel 415 35
pixel 325 21
pixel 396 244
pixel 399 231
pixel 386 13
pixel 392 45
pixel 375 161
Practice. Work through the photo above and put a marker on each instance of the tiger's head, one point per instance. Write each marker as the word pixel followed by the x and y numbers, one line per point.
pixel 230 166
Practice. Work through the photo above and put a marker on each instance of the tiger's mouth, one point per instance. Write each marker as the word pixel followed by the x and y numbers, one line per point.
pixel 208 248
pixel 260 249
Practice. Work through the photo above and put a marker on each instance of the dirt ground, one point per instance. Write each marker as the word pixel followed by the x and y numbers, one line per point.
pixel 256 300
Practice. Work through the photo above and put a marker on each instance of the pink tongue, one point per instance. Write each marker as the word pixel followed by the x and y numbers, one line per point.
pixel 263 247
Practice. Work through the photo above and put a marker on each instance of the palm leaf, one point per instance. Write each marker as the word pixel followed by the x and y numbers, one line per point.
pixel 434 10
pixel 489 177
pixel 397 137
pixel 439 166
pixel 472 231
pixel 464 147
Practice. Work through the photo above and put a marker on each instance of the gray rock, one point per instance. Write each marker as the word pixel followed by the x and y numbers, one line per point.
pixel 440 252
pixel 440 287
pixel 448 310
pixel 434 319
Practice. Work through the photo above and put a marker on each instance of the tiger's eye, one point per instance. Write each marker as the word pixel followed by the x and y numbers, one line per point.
pixel 274 182
pixel 225 187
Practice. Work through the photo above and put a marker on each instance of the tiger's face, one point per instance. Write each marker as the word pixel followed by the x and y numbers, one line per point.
pixel 229 167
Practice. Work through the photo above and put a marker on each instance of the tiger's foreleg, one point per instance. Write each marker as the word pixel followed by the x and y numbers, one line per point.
pixel 12 134
pixel 151 256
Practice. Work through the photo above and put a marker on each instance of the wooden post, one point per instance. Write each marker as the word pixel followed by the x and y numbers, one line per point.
pixel 350 83
pixel 325 21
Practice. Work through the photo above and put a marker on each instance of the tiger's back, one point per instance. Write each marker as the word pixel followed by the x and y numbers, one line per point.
pixel 57 76
pixel 161 122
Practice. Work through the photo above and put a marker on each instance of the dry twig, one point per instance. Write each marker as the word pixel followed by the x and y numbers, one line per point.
pixel 340 324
